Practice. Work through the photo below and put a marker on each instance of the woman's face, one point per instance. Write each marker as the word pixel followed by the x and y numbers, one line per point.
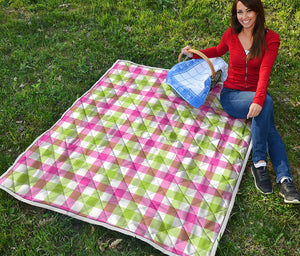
pixel 245 16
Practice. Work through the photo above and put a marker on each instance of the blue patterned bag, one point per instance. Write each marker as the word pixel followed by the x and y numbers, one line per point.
pixel 192 79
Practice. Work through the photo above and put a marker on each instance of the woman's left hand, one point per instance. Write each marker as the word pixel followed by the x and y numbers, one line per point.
pixel 254 110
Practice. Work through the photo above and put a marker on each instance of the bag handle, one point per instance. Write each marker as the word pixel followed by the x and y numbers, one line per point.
pixel 204 57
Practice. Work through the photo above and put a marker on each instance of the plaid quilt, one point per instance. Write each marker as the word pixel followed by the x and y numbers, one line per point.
pixel 131 156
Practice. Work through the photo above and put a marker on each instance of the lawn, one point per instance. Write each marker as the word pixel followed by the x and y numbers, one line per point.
pixel 52 51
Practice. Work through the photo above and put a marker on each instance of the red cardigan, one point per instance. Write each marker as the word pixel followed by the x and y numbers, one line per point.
pixel 252 75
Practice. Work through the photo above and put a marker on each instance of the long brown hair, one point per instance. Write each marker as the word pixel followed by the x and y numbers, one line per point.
pixel 259 27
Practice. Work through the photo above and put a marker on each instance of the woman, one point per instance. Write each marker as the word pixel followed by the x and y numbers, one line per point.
pixel 253 50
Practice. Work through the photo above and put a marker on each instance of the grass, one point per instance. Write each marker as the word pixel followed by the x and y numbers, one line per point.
pixel 51 52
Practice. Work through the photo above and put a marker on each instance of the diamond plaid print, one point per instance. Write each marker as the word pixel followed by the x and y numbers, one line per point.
pixel 132 155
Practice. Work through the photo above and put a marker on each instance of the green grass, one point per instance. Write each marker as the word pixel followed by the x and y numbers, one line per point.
pixel 51 52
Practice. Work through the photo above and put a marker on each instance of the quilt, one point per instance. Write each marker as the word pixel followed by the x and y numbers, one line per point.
pixel 131 156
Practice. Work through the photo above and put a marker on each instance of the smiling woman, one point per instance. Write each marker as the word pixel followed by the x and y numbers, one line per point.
pixel 253 50
pixel 248 21
pixel 246 16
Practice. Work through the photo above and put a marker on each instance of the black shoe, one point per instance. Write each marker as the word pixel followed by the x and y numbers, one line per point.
pixel 262 180
pixel 289 193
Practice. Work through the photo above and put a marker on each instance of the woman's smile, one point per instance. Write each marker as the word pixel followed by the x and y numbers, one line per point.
pixel 245 16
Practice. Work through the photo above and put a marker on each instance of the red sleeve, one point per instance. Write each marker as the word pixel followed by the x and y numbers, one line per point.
pixel 218 50
pixel 272 43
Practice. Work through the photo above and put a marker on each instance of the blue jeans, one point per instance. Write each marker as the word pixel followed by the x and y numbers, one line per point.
pixel 265 137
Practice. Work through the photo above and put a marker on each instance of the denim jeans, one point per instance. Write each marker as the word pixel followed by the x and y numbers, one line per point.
pixel 265 137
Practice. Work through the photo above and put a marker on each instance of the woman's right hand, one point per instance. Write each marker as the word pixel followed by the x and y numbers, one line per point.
pixel 185 51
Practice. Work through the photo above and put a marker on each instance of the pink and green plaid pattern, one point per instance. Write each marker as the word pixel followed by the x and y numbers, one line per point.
pixel 133 157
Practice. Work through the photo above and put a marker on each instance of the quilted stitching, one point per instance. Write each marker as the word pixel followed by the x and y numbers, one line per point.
pixel 130 154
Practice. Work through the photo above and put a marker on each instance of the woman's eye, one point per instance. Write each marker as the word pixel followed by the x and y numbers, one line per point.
pixel 249 10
